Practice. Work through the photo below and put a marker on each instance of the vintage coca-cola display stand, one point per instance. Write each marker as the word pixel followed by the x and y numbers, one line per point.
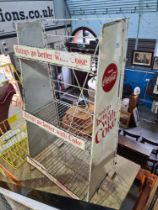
pixel 73 137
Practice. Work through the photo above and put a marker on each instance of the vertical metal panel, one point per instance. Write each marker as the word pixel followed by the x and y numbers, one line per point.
pixel 107 101
pixel 36 83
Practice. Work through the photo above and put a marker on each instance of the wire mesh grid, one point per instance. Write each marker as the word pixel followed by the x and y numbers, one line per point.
pixel 76 120
pixel 68 165
pixel 76 90
pixel 71 109
pixel 70 118
pixel 13 141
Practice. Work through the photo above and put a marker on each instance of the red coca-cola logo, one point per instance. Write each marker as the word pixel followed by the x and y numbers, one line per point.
pixel 109 77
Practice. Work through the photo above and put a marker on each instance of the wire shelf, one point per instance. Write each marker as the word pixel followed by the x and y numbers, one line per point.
pixel 72 119
pixel 67 164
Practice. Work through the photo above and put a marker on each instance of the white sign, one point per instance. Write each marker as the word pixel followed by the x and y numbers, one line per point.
pixel 111 64
pixel 107 102
pixel 52 129
pixel 63 58
pixel 12 12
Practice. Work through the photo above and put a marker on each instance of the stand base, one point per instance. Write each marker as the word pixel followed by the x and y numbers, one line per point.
pixel 112 191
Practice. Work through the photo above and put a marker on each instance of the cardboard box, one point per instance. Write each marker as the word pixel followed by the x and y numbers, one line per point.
pixel 124 119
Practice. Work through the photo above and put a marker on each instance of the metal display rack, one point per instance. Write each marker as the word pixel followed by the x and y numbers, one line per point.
pixel 72 137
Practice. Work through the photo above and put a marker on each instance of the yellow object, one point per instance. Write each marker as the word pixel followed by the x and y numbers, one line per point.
pixel 14 141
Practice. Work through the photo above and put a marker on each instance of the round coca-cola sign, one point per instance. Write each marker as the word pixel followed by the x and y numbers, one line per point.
pixel 109 77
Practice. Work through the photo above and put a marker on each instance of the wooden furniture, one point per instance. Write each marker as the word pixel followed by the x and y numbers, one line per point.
pixel 148 187
pixel 124 119
pixel 127 117
pixel 154 155
pixel 156 168
pixel 9 175
pixel 153 159
pixel 131 135
pixel 134 151
pixel 151 142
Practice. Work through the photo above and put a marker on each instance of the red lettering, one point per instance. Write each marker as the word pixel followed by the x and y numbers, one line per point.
pixel 80 61
pixel 74 140
pixel 104 133
pixel 39 122
pixel 98 136
pixel 57 56
pixel 22 51
pixel 105 123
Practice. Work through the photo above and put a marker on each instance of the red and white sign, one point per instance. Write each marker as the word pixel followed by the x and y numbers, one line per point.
pixel 52 129
pixel 107 102
pixel 109 77
pixel 63 58
pixel 105 121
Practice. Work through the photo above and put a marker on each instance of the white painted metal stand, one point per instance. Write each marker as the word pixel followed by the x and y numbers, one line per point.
pixel 74 146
